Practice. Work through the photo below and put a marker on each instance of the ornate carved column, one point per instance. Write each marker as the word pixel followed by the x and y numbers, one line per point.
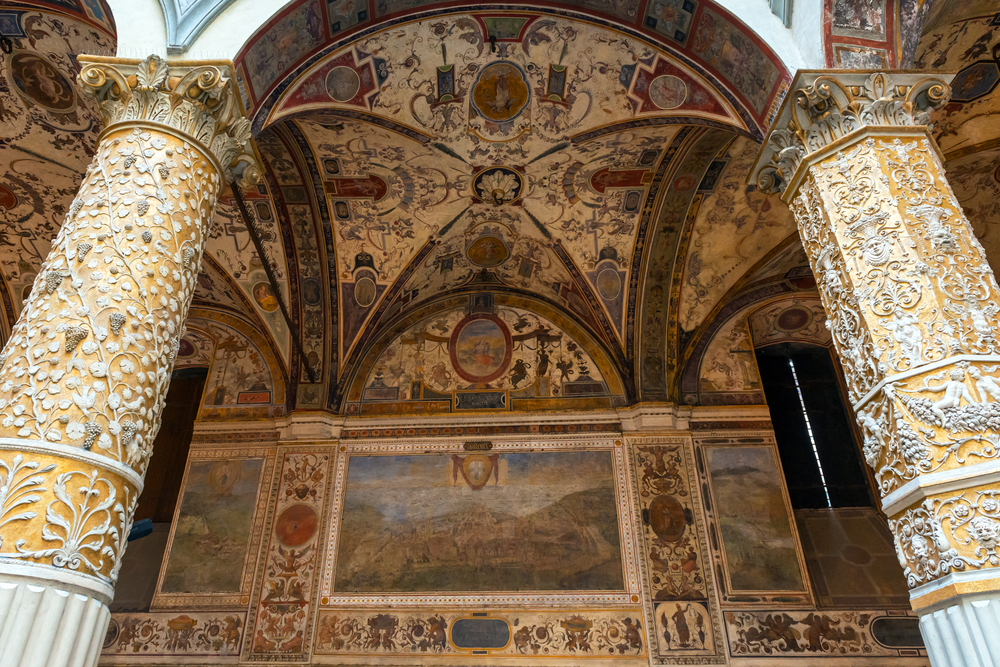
pixel 85 372
pixel 912 306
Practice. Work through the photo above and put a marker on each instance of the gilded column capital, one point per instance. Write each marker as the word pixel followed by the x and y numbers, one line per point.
pixel 198 98
pixel 826 110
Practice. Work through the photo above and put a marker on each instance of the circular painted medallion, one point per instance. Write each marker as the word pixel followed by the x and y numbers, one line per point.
pixel 264 296
pixel 224 475
pixel 498 186
pixel 342 84
pixel 39 81
pixel 500 92
pixel 488 251
pixel 666 518
pixel 793 319
pixel 296 525
pixel 185 349
pixel 480 348
pixel 667 92
pixel 365 292
pixel 609 284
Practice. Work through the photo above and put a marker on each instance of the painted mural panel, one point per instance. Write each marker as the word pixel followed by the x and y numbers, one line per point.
pixel 283 608
pixel 483 358
pixel 245 378
pixel 736 57
pixel 215 634
pixel 759 545
pixel 825 634
pixel 682 619
pixel 729 365
pixel 540 521
pixel 212 529
pixel 577 634
pixel 296 34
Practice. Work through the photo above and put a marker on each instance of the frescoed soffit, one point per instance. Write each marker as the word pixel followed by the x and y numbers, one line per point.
pixel 443 162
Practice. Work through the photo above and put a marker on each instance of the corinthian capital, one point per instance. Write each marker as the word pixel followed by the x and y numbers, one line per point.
pixel 199 99
pixel 825 108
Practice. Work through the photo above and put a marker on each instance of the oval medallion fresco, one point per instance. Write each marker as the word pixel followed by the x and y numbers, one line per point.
pixel 488 251
pixel 609 284
pixel 365 292
pixel 296 525
pixel 342 84
pixel 667 92
pixel 500 92
pixel 480 348
pixel 666 518
pixel 793 319
pixel 39 81
pixel 264 296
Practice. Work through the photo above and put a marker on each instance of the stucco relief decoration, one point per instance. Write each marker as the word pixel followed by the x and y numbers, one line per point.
pixel 88 362
pixel 912 304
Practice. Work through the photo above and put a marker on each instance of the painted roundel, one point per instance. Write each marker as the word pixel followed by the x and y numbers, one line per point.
pixel 667 92
pixel 480 348
pixel 793 319
pixel 39 81
pixel 488 251
pixel 296 525
pixel 501 92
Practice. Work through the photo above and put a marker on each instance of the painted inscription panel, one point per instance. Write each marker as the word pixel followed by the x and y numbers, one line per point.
pixel 753 516
pixel 541 521
pixel 213 527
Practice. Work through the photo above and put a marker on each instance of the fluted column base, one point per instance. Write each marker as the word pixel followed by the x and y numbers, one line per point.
pixel 963 631
pixel 49 622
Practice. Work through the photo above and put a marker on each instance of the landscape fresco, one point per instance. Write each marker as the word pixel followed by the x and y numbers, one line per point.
pixel 501 522
pixel 213 527
pixel 760 548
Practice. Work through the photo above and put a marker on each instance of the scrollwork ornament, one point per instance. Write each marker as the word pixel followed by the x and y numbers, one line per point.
pixel 200 100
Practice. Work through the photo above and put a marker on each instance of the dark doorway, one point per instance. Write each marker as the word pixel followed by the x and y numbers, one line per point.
pixel 818 446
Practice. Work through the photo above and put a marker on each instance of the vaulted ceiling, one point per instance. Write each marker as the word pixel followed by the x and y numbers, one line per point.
pixel 586 176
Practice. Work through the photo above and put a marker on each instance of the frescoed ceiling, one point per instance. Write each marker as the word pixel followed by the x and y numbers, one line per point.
pixel 588 172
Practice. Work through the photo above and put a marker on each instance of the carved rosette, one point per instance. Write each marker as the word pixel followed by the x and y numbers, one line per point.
pixel 911 303
pixel 84 375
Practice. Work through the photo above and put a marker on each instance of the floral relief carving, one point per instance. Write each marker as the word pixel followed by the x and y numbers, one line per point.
pixel 912 306
pixel 73 519
pixel 88 362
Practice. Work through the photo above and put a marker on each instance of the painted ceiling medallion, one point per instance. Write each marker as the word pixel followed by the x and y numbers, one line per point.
pixel 488 251
pixel 343 83
pixel 501 92
pixel 41 83
pixel 480 348
pixel 667 92
pixel 500 185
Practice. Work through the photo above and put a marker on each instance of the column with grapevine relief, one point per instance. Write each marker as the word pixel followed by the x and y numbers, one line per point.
pixel 912 306
pixel 84 375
